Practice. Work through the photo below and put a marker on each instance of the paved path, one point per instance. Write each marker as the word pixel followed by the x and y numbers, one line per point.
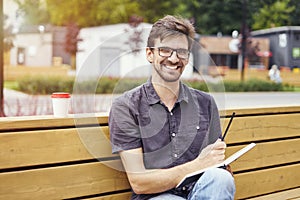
pixel 18 104
pixel 257 99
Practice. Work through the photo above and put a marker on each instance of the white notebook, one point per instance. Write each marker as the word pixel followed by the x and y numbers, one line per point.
pixel 196 175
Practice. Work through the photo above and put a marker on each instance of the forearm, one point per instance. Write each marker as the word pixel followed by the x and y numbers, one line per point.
pixel 160 180
pixel 144 181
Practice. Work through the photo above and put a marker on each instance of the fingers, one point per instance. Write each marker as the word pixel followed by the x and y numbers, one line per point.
pixel 219 144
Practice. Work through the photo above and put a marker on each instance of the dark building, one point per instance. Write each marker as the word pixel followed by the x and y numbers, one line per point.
pixel 284 45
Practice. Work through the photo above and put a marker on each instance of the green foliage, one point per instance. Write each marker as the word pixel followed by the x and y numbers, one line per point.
pixel 109 85
pixel 252 85
pixel 277 14
pixel 13 85
pixel 91 12
pixel 45 85
pixel 209 17
pixel 33 12
pixel 295 15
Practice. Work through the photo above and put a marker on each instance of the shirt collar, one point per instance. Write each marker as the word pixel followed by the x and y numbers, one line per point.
pixel 153 98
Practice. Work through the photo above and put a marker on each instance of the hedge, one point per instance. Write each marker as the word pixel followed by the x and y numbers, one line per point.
pixel 108 85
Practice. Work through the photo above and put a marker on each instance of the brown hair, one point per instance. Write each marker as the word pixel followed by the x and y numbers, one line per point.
pixel 171 26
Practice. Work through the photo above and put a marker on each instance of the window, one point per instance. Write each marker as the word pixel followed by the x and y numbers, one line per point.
pixel 296 53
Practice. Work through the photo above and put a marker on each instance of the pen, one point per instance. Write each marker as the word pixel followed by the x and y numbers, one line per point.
pixel 227 128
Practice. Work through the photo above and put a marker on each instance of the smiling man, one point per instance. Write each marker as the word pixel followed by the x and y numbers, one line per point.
pixel 164 130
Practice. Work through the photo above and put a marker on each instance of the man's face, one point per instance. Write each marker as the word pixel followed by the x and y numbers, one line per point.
pixel 169 57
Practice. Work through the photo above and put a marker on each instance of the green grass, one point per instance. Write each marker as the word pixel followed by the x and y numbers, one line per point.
pixel 11 85
pixel 296 89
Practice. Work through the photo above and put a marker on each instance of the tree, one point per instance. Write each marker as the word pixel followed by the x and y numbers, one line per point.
pixel 71 41
pixel 135 38
pixel 295 15
pixel 34 12
pixel 277 14
pixel 8 36
pixel 152 10
pixel 91 12
pixel 211 17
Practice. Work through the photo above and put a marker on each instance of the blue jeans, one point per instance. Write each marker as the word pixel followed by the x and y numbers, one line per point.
pixel 214 184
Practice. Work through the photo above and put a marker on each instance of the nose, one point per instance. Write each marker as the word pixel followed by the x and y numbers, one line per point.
pixel 173 58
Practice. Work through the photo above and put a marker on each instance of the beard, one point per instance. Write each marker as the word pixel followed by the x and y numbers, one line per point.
pixel 169 72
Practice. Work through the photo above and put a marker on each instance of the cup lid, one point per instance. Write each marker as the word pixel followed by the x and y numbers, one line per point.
pixel 60 95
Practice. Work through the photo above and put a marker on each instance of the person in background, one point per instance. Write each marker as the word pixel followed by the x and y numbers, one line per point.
pixel 164 129
pixel 274 74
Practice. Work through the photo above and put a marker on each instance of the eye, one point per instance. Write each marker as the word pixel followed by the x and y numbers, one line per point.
pixel 182 51
pixel 165 50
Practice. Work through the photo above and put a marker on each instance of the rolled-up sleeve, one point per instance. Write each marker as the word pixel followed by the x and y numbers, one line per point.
pixel 123 126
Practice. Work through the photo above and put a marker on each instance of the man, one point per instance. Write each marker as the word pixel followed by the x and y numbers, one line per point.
pixel 274 74
pixel 164 130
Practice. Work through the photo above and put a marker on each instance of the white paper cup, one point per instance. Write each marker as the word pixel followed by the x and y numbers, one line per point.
pixel 60 102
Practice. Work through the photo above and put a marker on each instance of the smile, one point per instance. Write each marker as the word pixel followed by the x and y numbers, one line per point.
pixel 171 67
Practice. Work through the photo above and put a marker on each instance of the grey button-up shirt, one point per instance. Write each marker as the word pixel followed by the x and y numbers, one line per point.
pixel 138 119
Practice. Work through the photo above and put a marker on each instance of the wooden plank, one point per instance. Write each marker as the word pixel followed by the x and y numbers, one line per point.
pixel 256 128
pixel 122 196
pixel 267 181
pixel 7 123
pixel 63 182
pixel 292 194
pixel 48 121
pixel 266 154
pixel 27 148
pixel 256 111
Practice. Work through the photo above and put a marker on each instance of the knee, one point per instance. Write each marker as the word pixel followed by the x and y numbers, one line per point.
pixel 221 179
pixel 215 183
pixel 220 176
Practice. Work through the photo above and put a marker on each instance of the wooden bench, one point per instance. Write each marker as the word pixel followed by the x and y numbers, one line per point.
pixel 43 157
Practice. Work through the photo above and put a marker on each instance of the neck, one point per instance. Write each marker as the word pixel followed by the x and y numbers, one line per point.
pixel 167 91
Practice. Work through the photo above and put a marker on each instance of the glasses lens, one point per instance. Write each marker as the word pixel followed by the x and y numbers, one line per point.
pixel 165 51
pixel 182 53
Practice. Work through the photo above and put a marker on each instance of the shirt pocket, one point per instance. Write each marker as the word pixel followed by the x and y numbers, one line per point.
pixel 194 135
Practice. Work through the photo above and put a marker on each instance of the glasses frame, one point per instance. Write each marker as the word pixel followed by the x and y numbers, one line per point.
pixel 172 51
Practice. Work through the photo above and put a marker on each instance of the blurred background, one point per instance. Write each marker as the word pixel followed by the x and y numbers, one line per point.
pixel 95 47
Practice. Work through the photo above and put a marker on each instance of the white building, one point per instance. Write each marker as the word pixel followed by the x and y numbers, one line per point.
pixel 37 46
pixel 32 49
pixel 109 51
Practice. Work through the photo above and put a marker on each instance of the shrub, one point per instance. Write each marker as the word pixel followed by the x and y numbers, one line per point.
pixel 44 84
pixel 109 85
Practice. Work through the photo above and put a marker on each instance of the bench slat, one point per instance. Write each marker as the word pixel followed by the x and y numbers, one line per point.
pixel 123 196
pixel 46 121
pixel 266 154
pixel 256 128
pixel 63 182
pixel 257 111
pixel 266 181
pixel 289 194
pixel 18 149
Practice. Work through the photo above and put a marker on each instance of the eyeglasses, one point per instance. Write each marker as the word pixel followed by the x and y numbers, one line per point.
pixel 167 52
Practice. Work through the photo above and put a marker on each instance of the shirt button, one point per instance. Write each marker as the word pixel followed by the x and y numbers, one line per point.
pixel 197 127
pixel 183 188
pixel 173 134
pixel 175 155
pixel 171 113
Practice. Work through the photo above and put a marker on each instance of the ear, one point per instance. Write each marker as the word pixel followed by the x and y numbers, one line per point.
pixel 149 55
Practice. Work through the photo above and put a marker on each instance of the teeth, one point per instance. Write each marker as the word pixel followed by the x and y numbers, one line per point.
pixel 171 67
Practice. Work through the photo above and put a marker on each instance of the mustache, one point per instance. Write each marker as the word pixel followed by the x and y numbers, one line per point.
pixel 178 64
